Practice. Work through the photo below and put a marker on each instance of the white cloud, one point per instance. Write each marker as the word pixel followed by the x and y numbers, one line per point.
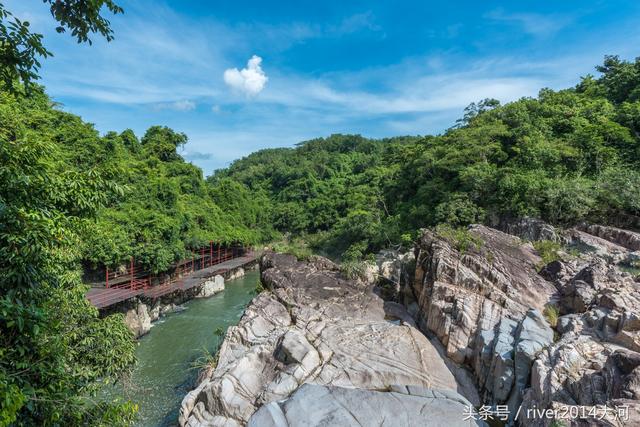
pixel 250 80
pixel 532 23
pixel 184 105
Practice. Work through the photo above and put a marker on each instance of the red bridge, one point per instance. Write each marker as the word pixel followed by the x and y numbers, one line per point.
pixel 125 283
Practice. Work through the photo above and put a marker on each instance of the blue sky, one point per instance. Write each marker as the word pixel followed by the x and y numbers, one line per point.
pixel 374 68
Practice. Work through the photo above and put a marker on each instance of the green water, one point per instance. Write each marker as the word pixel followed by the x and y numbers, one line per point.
pixel 162 375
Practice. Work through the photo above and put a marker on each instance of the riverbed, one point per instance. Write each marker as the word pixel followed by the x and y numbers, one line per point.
pixel 164 373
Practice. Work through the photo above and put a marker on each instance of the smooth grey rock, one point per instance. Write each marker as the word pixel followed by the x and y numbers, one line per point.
pixel 501 374
pixel 317 405
pixel 138 320
pixel 211 287
pixel 313 326
pixel 532 336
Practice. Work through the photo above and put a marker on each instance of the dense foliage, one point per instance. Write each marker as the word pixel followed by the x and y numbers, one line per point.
pixel 68 195
pixel 565 156
pixel 166 209
pixel 21 49
pixel 54 349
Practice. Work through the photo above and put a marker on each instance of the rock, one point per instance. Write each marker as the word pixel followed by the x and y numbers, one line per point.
pixel 484 304
pixel 577 371
pixel 530 229
pixel 625 238
pixel 170 308
pixel 370 273
pixel 313 327
pixel 397 269
pixel 595 361
pixel 570 323
pixel 597 246
pixel 578 293
pixel 532 336
pixel 318 405
pixel 494 364
pixel 318 349
pixel 460 294
pixel 155 312
pixel 211 287
pixel 393 265
pixel 622 375
pixel 554 271
pixel 138 320
pixel 236 273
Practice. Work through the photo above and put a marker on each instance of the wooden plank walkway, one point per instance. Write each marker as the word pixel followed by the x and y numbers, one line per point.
pixel 102 297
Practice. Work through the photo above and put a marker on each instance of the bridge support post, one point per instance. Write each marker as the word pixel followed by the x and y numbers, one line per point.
pixel 131 272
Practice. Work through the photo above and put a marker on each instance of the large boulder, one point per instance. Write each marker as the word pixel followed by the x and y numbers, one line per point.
pixel 211 287
pixel 462 292
pixel 138 319
pixel 313 327
pixel 317 405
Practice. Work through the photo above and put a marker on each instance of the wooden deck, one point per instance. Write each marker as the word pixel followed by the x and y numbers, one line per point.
pixel 102 297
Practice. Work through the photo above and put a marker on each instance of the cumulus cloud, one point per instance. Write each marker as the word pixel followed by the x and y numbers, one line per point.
pixel 250 80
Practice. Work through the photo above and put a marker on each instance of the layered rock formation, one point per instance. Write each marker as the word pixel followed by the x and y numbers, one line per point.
pixel 315 327
pixel 484 303
pixel 595 363
pixel 463 324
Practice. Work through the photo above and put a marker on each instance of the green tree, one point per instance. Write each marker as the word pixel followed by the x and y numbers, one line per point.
pixel 54 348
pixel 20 49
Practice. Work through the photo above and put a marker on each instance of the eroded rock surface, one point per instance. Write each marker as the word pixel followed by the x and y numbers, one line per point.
pixel 315 327
pixel 484 303
pixel 211 286
pixel 594 363
pixel 316 405
pixel 322 350
pixel 138 320
pixel 461 293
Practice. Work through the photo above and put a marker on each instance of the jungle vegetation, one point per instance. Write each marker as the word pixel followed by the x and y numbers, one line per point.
pixel 70 197
pixel 564 156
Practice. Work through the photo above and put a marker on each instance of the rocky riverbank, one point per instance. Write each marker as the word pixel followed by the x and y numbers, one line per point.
pixel 478 320
pixel 141 313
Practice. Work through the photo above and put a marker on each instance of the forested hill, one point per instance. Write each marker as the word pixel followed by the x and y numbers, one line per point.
pixel 565 156
pixel 153 205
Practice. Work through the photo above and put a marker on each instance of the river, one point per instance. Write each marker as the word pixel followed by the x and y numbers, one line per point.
pixel 164 372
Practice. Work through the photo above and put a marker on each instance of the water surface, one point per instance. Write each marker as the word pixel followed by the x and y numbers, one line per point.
pixel 164 373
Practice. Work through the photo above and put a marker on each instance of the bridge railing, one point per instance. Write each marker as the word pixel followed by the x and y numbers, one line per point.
pixel 136 277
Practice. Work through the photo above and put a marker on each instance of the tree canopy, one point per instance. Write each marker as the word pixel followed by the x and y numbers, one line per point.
pixel 564 156
pixel 21 49
pixel 54 348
